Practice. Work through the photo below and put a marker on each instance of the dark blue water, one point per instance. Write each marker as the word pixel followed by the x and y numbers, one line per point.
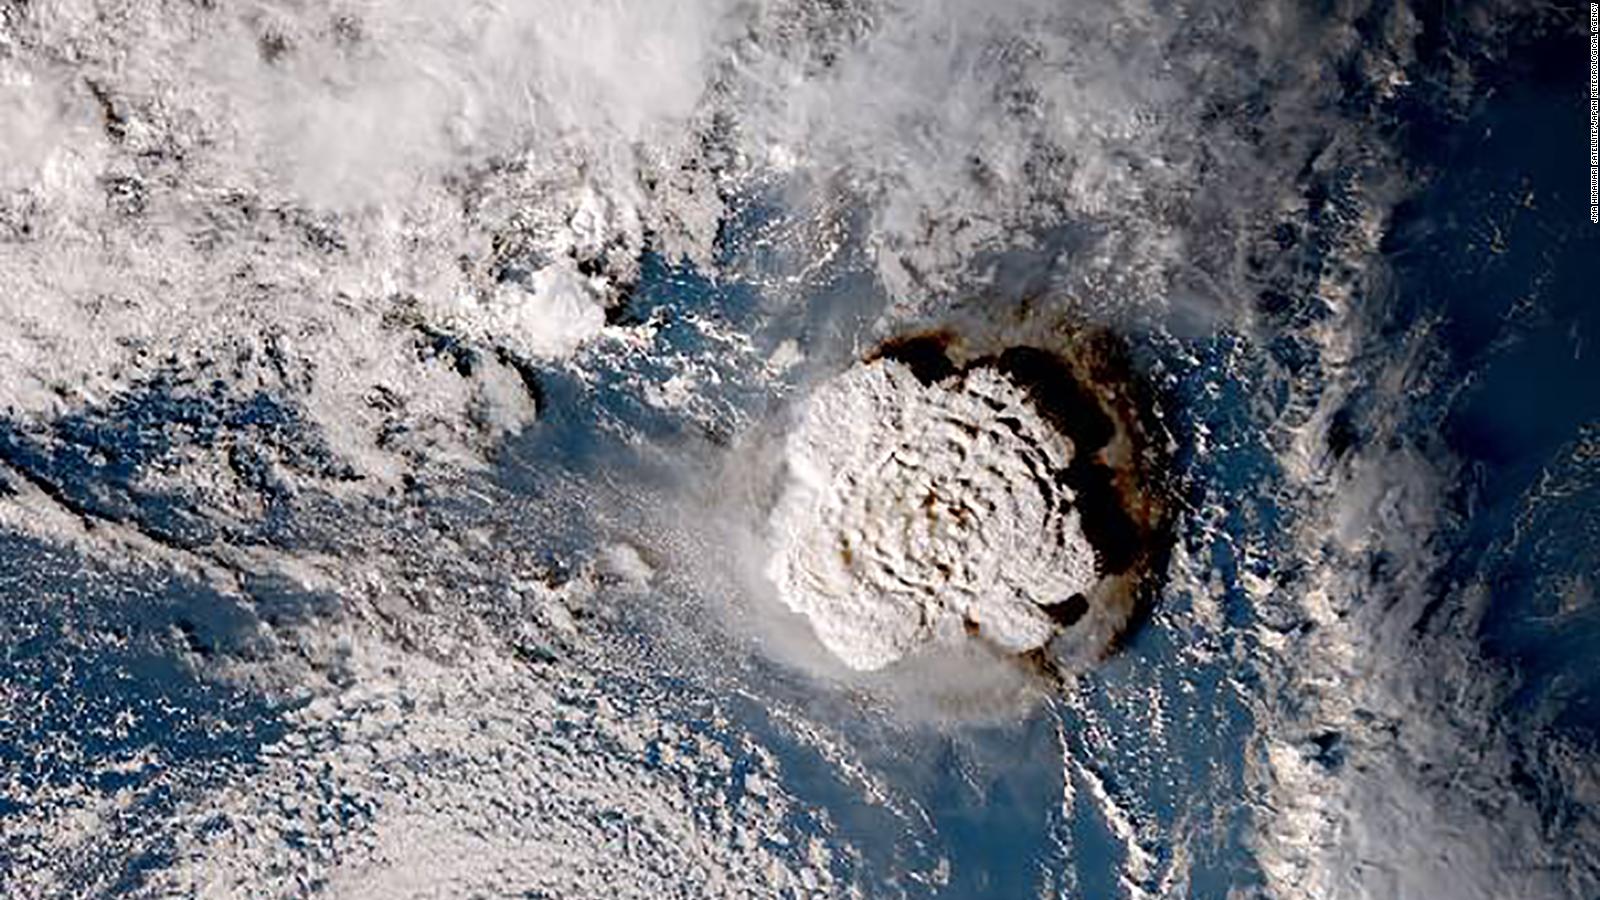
pixel 1500 247
pixel 108 692
pixel 1495 248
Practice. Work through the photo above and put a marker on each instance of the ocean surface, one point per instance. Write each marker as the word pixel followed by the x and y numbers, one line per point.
pixel 392 397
